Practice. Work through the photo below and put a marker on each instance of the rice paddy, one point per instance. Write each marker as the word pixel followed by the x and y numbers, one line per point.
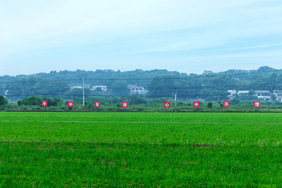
pixel 140 149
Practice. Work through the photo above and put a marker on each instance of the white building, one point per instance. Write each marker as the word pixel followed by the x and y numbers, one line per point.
pixel 76 87
pixel 137 90
pixel 263 95
pixel 232 94
pixel 242 92
pixel 278 95
pixel 102 88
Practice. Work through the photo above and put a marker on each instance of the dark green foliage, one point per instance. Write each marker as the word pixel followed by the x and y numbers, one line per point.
pixel 32 86
pixel 210 105
pixel 136 100
pixel 75 93
pixel 54 102
pixel 160 83
pixel 220 104
pixel 162 87
pixel 30 101
pixel 235 101
pixel 138 104
pixel 3 101
pixel 120 88
pixel 38 101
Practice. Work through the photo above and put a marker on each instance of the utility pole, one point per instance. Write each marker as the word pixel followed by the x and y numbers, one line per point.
pixel 83 97
pixel 175 99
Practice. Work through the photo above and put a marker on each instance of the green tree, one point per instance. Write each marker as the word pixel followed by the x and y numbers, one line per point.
pixel 120 88
pixel 3 101
pixel 136 100
pixel 235 101
pixel 210 105
pixel 162 87
pixel 31 101
pixel 251 95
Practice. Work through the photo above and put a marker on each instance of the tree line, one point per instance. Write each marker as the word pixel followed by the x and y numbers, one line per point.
pixel 159 83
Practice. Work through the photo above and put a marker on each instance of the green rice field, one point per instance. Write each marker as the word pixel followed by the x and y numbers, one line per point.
pixel 68 149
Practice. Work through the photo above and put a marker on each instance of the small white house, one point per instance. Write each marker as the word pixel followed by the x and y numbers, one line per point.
pixel 278 95
pixel 263 95
pixel 102 88
pixel 242 92
pixel 76 87
pixel 232 94
pixel 137 90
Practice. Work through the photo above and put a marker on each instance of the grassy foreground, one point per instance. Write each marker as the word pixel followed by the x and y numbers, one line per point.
pixel 140 149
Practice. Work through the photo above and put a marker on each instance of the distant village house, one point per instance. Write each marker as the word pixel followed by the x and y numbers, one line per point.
pixel 137 90
pixel 101 88
pixel 278 95
pixel 262 95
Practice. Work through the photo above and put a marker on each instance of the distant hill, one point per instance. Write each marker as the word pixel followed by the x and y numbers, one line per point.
pixel 158 82
pixel 97 77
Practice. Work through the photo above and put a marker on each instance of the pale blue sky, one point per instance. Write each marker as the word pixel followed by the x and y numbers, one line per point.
pixel 183 35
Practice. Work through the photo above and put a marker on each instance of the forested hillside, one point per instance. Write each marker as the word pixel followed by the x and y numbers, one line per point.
pixel 159 83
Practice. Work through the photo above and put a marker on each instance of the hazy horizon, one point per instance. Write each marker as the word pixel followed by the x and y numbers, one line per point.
pixel 135 70
pixel 184 36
